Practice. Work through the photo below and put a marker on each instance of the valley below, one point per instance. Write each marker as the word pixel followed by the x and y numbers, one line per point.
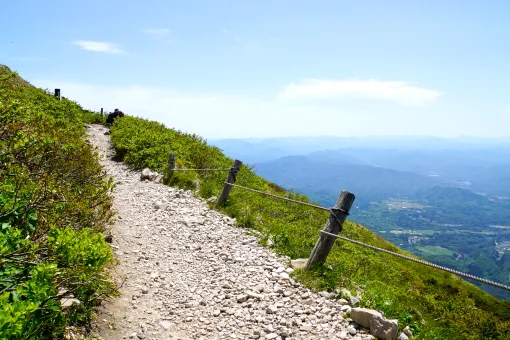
pixel 447 204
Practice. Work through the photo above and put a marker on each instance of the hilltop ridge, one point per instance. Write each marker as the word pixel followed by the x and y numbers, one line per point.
pixel 434 304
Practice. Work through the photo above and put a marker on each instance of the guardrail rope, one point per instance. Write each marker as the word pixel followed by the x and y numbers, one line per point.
pixel 279 197
pixel 453 271
pixel 332 211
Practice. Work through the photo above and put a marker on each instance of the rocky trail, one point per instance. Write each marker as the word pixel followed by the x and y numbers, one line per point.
pixel 188 273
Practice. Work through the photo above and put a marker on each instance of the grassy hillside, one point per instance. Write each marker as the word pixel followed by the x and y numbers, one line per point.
pixel 54 204
pixel 435 304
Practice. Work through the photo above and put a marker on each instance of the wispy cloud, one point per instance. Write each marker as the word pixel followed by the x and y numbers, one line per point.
pixel 206 113
pixel 397 91
pixel 98 46
pixel 246 44
pixel 156 32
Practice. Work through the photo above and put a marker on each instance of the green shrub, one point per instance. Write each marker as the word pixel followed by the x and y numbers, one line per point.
pixel 209 189
pixel 91 117
pixel 54 206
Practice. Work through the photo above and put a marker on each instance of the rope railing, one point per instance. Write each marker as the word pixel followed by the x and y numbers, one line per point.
pixel 276 196
pixel 446 269
pixel 333 213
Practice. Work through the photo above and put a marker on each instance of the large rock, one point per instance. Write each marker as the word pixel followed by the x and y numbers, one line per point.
pixel 253 295
pixel 343 302
pixel 160 205
pixel 149 175
pixel 154 176
pixel 354 300
pixel 272 309
pixel 146 174
pixel 68 302
pixel 212 199
pixel 407 331
pixel 378 325
pixel 165 324
pixel 298 263
pixel 403 336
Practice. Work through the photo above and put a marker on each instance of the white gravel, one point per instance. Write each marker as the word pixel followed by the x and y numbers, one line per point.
pixel 189 273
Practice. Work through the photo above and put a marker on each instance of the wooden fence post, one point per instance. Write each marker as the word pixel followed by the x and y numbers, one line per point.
pixel 231 179
pixel 57 93
pixel 101 112
pixel 334 226
pixel 171 166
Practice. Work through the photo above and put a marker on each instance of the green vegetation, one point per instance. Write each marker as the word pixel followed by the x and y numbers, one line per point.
pixel 435 304
pixel 389 200
pixel 436 250
pixel 453 219
pixel 54 204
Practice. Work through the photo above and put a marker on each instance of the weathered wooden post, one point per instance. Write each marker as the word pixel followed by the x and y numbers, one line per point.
pixel 57 93
pixel 171 166
pixel 334 226
pixel 231 179
pixel 101 112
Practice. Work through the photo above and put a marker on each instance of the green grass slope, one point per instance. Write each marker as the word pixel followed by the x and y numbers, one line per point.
pixel 435 304
pixel 54 204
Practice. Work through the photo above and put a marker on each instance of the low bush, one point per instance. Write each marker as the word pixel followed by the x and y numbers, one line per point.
pixel 54 207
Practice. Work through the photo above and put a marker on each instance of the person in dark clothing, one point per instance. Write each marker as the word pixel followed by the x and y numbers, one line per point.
pixel 111 117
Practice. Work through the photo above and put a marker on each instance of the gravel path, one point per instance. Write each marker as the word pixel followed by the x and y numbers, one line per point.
pixel 189 273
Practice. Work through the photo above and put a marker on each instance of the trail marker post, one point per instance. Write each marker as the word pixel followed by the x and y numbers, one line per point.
pixel 230 180
pixel 334 226
pixel 170 167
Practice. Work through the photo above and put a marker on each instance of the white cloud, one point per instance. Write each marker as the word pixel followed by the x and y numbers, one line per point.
pixel 98 46
pixel 212 115
pixel 217 115
pixel 156 32
pixel 398 91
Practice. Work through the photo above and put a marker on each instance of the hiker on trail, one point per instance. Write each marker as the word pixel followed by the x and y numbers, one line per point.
pixel 111 117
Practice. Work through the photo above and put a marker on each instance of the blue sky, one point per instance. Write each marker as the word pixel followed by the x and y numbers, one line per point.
pixel 274 68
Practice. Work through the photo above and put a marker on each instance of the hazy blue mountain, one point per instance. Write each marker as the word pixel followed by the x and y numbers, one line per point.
pixel 441 194
pixel 324 180
pixel 249 151
pixel 480 170
pixel 253 150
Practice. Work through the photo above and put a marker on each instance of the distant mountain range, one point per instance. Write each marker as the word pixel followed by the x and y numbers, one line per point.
pixel 480 170
pixel 323 180
pixel 255 150
pixel 480 165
